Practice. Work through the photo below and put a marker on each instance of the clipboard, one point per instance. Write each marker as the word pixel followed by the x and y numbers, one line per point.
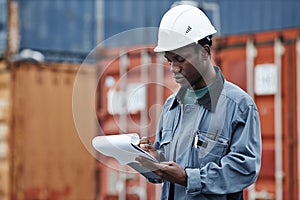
pixel 124 148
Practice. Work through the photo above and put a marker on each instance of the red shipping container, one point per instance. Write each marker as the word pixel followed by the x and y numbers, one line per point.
pixel 263 64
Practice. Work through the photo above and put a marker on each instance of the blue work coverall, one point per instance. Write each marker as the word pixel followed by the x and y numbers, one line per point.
pixel 217 141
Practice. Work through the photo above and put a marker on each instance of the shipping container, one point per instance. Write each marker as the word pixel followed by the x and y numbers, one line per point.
pixel 265 64
pixel 57 26
pixel 5 116
pixel 131 90
pixel 72 27
pixel 48 159
pixel 230 17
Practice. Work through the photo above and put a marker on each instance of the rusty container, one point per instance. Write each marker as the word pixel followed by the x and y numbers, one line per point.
pixel 266 65
pixel 5 116
pixel 133 85
pixel 48 160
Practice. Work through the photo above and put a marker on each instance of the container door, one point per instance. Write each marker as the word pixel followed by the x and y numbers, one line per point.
pixel 264 65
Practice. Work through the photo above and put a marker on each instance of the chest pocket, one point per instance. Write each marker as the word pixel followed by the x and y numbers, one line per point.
pixel 165 143
pixel 170 123
pixel 211 147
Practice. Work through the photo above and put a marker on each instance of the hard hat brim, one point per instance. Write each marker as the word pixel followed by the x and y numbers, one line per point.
pixel 182 41
pixel 159 49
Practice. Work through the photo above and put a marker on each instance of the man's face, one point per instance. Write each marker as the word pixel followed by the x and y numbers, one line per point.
pixel 186 65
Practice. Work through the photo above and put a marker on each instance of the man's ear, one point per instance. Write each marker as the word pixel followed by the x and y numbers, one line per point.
pixel 205 51
pixel 207 48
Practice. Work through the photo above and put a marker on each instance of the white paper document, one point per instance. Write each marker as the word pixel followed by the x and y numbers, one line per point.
pixel 124 148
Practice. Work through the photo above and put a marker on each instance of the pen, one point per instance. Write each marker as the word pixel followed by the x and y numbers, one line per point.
pixel 196 141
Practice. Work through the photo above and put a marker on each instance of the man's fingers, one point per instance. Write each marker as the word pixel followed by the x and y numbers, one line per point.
pixel 146 146
pixel 153 166
pixel 157 168
pixel 145 140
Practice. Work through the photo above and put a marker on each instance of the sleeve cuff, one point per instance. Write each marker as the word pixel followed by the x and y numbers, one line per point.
pixel 193 181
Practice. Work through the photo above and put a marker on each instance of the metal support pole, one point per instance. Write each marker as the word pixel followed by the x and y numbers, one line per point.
pixel 13 41
pixel 278 52
pixel 144 113
pixel 298 108
pixel 144 79
pixel 160 82
pixel 160 77
pixel 123 119
pixel 251 53
pixel 99 10
pixel 123 88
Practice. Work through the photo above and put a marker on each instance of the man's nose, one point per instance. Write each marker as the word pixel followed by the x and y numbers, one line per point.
pixel 175 68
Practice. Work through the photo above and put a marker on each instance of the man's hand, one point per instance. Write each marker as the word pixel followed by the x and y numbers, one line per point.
pixel 169 171
pixel 146 145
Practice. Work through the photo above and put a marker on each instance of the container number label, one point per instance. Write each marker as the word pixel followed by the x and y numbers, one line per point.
pixel 266 79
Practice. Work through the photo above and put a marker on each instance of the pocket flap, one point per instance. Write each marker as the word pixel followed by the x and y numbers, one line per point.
pixel 166 137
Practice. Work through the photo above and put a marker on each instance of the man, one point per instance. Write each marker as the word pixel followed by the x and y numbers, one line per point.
pixel 208 139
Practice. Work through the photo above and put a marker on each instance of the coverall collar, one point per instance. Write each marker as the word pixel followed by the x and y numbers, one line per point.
pixel 210 99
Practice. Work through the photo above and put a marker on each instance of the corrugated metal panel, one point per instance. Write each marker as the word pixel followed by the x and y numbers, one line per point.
pixel 49 160
pixel 57 25
pixel 251 16
pixel 3 26
pixel 141 69
pixel 236 17
pixel 70 26
pixel 278 178
pixel 231 54
pixel 5 80
pixel 124 15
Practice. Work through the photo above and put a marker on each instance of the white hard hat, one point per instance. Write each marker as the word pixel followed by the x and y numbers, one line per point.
pixel 182 25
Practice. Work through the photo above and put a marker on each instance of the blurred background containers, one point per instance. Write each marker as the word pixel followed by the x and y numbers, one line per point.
pixel 47 158
pixel 43 43
pixel 5 109
pixel 266 65
pixel 45 24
